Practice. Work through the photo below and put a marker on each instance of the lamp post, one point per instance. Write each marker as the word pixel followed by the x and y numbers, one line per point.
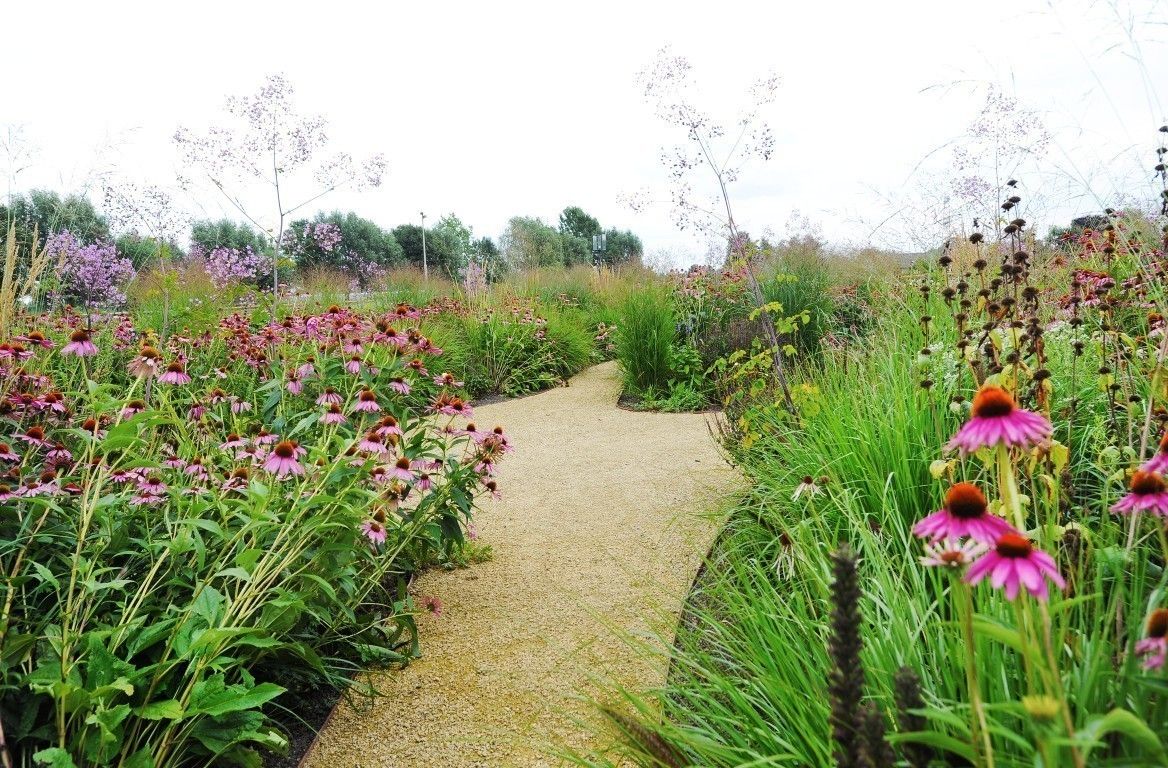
pixel 425 266
pixel 599 244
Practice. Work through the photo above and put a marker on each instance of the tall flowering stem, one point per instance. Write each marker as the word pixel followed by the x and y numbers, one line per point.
pixel 1008 487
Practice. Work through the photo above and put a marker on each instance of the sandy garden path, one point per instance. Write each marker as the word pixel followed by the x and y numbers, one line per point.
pixel 597 534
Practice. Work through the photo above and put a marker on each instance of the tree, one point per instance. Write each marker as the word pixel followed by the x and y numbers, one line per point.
pixel 460 238
pixel 439 249
pixel 574 221
pixel 47 213
pixel 622 247
pixel 268 144
pixel 206 236
pixel 357 242
pixel 528 243
pixel 577 249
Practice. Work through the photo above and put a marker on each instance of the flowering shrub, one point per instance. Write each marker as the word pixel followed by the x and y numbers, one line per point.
pixel 232 266
pixel 94 274
pixel 188 530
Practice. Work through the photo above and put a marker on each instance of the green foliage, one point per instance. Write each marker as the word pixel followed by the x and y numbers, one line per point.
pixel 48 212
pixel 622 247
pixel 441 252
pixel 225 233
pixel 143 250
pixel 575 222
pixel 361 241
pixel 529 243
pixel 645 336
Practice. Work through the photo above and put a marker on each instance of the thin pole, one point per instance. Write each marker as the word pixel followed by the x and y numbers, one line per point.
pixel 425 266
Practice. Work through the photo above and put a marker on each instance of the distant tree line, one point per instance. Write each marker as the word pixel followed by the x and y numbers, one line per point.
pixel 341 240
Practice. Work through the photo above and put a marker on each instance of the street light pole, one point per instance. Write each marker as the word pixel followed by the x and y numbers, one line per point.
pixel 425 266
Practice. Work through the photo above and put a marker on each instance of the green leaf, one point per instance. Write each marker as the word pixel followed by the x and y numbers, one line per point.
pixel 54 757
pixel 1126 724
pixel 161 710
pixel 936 740
pixel 212 697
pixel 997 631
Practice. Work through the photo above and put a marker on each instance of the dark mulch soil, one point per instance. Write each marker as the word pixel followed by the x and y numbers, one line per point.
pixel 310 709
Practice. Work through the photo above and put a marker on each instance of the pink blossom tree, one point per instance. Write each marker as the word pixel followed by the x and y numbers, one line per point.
pixel 268 144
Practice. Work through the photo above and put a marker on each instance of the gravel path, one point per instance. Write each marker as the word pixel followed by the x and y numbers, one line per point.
pixel 597 534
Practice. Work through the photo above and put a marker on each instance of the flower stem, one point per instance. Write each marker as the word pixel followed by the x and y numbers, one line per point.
pixel 1008 487
pixel 977 723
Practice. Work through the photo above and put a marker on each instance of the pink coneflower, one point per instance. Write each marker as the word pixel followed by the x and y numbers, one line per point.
pixel 997 420
pixel 146 363
pixel 447 380
pixel 334 415
pixel 233 441
pixel 239 406
pixel 295 385
pixel 367 401
pixel 372 443
pixel 1147 493
pixel 59 455
pixel 1014 562
pixel 217 396
pixel 388 426
pixel 174 462
pixel 952 553
pixel 92 426
pixel 266 438
pixel 132 408
pixel 329 397
pixel 196 411
pixel 6 492
pixel 237 481
pixel 433 605
pixel 806 488
pixel 151 491
pixel 399 385
pixel 80 345
pixel 35 436
pixel 196 469
pixel 505 444
pixel 176 373
pixel 425 481
pixel 401 471
pixel 354 365
pixel 353 347
pixel 37 339
pixel 306 369
pixel 283 459
pixel 1159 462
pixel 493 489
pixel 7 454
pixel 1154 646
pixel 374 531
pixel 965 514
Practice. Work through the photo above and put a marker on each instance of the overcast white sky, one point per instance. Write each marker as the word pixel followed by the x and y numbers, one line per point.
pixel 496 109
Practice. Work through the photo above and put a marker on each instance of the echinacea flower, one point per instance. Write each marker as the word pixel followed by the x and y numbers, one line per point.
pixel 59 455
pixel 401 471
pixel 176 373
pixel 997 420
pixel 266 438
pixel 1147 493
pixel 237 481
pixel 952 553
pixel 806 488
pixel 34 436
pixel 295 385
pixel 1154 646
pixel 965 513
pixel 1159 462
pixel 447 380
pixel 329 397
pixel 433 605
pixel 333 415
pixel 493 489
pixel 374 531
pixel 1014 562
pixel 7 454
pixel 372 443
pixel 133 407
pixel 146 363
pixel 388 426
pixel 233 441
pixel 367 401
pixel 79 345
pixel 282 460
pixel 399 385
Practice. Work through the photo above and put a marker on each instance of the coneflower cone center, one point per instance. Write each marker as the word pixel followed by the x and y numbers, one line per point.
pixel 285 450
pixel 991 402
pixel 403 463
pixel 1146 483
pixel 79 336
pixel 1014 546
pixel 965 501
pixel 1158 623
